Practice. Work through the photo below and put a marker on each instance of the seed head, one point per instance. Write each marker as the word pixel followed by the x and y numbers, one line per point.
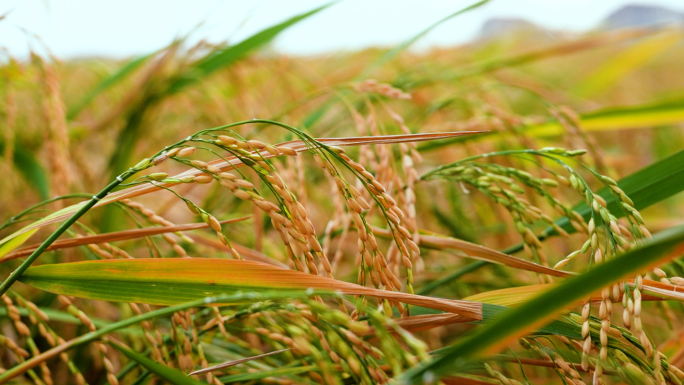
pixel 203 179
pixel 186 151
pixel 227 140
pixel 143 164
pixel 288 151
pixel 242 194
pixel 198 164
pixel 214 223
pixel 158 176
pixel 255 144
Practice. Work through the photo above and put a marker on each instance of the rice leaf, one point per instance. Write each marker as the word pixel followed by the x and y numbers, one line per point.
pixel 107 237
pixel 227 56
pixel 237 362
pixel 627 61
pixel 30 168
pixel 166 373
pixel 172 281
pixel 13 243
pixel 535 313
pixel 660 113
pixel 549 52
pixel 515 296
pixel 648 115
pixel 244 377
pixel 106 83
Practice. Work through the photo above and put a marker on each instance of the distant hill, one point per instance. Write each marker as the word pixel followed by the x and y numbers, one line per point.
pixel 502 27
pixel 629 16
pixel 642 16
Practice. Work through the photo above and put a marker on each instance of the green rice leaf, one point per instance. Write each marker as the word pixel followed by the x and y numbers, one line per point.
pixel 280 372
pixel 13 243
pixel 627 61
pixel 656 114
pixel 391 54
pixel 648 115
pixel 227 56
pixel 645 187
pixel 173 281
pixel 536 313
pixel 168 374
pixel 30 168
pixel 108 82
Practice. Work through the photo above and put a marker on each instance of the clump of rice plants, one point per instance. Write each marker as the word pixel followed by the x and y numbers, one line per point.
pixel 435 222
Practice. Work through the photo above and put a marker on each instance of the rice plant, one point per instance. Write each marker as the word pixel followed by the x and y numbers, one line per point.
pixel 207 214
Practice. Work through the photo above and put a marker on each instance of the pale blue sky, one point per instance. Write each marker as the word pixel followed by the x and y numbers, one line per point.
pixel 72 28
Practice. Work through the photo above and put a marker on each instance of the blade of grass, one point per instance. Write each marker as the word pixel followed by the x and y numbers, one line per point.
pixel 627 61
pixel 490 313
pixel 227 56
pixel 79 212
pixel 236 362
pixel 110 237
pixel 245 377
pixel 645 187
pixel 435 241
pixel 549 52
pixel 391 54
pixel 514 296
pixel 173 281
pixel 106 83
pixel 168 374
pixel 30 168
pixel 660 113
pixel 7 247
pixel 516 322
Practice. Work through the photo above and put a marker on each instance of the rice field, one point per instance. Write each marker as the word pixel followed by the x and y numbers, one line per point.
pixel 502 212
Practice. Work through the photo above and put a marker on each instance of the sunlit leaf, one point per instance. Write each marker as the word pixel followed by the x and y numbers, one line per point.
pixel 13 243
pixel 107 237
pixel 627 61
pixel 655 114
pixel 173 281
pixel 537 312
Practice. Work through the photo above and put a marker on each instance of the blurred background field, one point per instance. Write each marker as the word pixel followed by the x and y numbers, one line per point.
pixel 71 123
